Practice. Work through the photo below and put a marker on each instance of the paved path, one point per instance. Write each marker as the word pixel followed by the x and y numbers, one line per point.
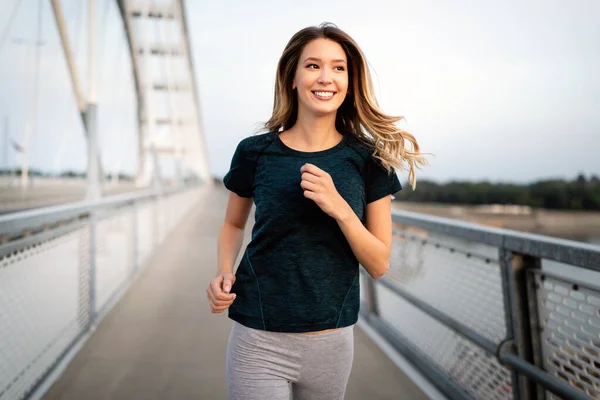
pixel 161 342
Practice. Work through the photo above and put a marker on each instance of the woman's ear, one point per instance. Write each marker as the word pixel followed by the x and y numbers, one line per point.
pixel 293 85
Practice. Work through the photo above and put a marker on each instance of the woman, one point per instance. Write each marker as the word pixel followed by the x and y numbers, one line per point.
pixel 321 179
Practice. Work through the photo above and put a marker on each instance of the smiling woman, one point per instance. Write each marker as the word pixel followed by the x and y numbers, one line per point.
pixel 321 178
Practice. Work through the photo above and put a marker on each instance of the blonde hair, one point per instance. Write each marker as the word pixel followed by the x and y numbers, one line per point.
pixel 359 114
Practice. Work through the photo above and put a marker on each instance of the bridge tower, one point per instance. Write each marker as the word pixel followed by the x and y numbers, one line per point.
pixel 170 128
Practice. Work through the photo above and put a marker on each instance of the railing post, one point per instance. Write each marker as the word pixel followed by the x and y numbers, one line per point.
pixel 513 268
pixel 535 329
pixel 155 223
pixel 371 294
pixel 83 308
pixel 134 237
pixel 92 275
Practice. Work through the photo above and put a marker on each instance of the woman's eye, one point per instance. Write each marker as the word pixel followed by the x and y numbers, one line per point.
pixel 340 68
pixel 312 65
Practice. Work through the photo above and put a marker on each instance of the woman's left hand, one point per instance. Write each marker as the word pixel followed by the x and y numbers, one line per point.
pixel 319 187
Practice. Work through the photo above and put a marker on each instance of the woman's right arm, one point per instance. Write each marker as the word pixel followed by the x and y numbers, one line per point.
pixel 232 232
pixel 229 244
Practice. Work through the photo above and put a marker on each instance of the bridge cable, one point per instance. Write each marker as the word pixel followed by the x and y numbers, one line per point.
pixel 73 12
pixel 36 77
pixel 121 124
pixel 9 23
pixel 102 47
pixel 116 76
pixel 78 36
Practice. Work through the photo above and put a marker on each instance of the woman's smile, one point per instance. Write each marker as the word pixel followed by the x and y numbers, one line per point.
pixel 323 94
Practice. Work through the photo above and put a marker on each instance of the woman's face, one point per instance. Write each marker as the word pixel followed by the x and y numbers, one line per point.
pixel 321 77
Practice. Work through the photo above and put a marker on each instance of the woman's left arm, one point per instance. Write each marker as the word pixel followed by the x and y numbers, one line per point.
pixel 371 244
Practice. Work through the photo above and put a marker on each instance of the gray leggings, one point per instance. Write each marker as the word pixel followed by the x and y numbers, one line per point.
pixel 279 366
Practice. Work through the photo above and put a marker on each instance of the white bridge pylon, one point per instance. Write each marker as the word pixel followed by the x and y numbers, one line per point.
pixel 168 105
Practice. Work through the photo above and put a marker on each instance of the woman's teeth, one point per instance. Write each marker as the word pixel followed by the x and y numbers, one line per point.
pixel 323 94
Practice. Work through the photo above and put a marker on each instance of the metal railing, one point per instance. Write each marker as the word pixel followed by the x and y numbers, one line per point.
pixel 484 313
pixel 490 313
pixel 62 269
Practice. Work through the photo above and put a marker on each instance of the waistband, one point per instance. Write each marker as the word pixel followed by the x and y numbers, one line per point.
pixel 295 336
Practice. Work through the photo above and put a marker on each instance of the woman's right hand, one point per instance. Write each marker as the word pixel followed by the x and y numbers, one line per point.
pixel 218 290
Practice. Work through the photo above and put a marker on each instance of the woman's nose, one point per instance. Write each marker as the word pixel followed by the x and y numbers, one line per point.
pixel 324 77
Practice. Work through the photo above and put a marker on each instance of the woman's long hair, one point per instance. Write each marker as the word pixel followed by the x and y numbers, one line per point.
pixel 359 114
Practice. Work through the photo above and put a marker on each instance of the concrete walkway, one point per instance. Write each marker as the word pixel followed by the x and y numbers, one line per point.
pixel 160 341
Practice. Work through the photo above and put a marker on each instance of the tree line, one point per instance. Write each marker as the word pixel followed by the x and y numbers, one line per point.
pixel 577 194
pixel 580 193
pixel 64 174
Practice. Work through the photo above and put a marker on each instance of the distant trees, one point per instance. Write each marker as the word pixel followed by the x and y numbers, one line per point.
pixel 65 174
pixel 578 194
pixel 17 172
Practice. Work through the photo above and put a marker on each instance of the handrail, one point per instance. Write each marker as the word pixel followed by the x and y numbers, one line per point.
pixel 14 224
pixel 448 321
pixel 579 254
pixel 541 377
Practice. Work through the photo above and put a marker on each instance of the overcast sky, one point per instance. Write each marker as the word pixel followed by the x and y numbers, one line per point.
pixel 504 91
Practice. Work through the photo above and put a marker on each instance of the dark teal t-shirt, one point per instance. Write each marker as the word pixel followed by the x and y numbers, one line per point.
pixel 298 273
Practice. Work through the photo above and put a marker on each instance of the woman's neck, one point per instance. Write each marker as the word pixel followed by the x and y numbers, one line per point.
pixel 312 134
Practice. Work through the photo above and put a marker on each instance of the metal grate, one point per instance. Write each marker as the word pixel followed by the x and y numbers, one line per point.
pixel 464 362
pixel 570 319
pixel 146 229
pixel 114 256
pixel 44 307
pixel 455 279
pixel 463 281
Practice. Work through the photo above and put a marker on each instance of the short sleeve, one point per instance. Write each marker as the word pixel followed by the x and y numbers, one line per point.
pixel 379 182
pixel 240 177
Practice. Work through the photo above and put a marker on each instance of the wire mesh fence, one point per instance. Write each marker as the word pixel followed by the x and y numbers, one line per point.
pixel 464 285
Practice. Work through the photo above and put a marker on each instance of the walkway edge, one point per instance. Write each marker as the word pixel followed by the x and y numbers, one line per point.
pixel 60 367
pixel 402 363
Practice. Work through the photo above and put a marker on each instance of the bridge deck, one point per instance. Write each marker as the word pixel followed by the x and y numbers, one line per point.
pixel 161 342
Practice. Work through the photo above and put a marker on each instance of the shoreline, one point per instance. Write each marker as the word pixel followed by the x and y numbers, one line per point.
pixel 574 225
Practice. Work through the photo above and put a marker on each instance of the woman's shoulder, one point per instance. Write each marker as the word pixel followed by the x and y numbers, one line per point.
pixel 364 149
pixel 361 147
pixel 256 142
